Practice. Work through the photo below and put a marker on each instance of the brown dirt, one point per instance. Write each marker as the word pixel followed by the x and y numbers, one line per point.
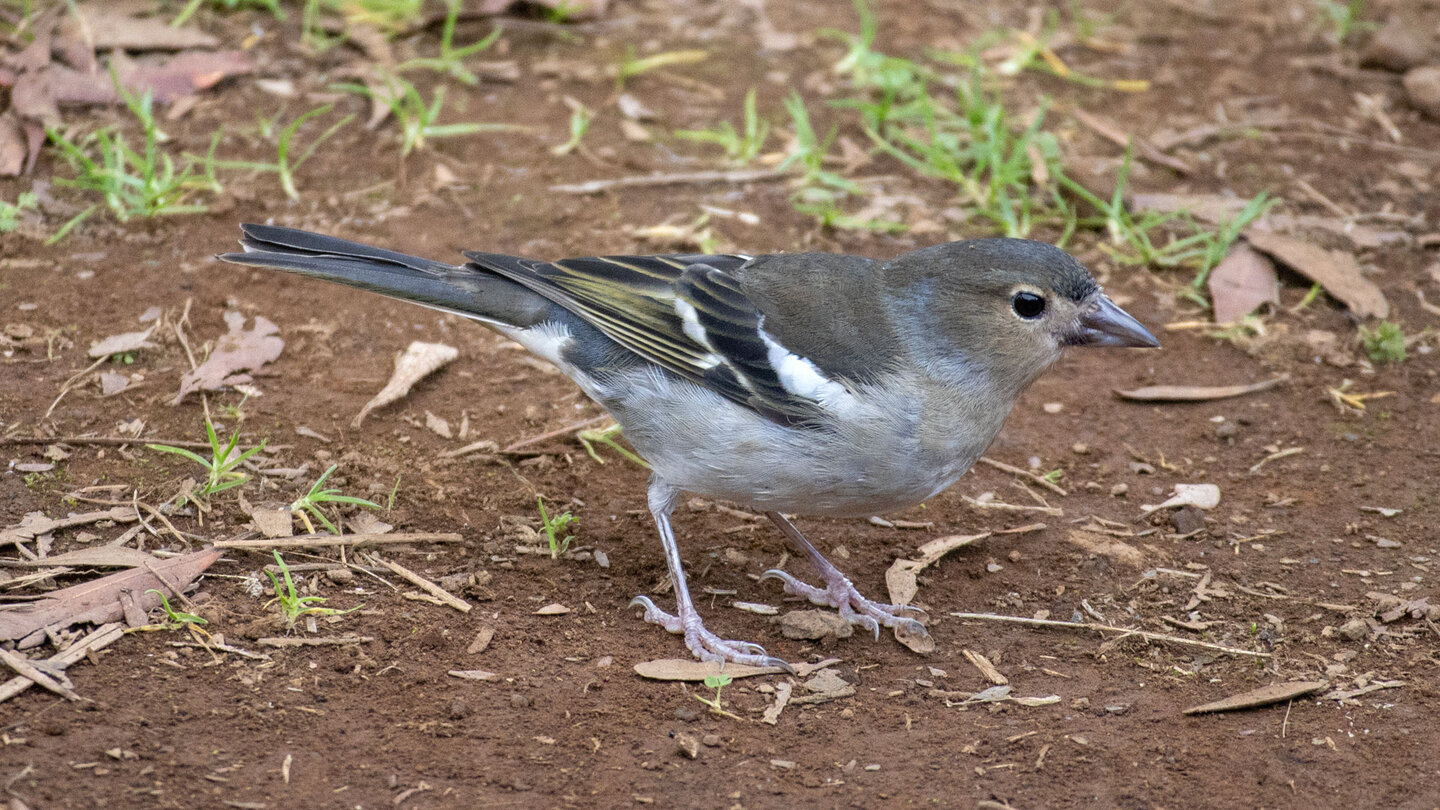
pixel 568 723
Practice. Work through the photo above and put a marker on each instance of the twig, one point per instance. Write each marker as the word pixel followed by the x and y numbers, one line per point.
pixel 104 636
pixel 330 540
pixel 119 441
pixel 647 180
pixel 325 641
pixel 70 383
pixel 1105 628
pixel 424 584
pixel 997 506
pixel 25 669
pixel 573 426
pixel 220 645
pixel 1038 480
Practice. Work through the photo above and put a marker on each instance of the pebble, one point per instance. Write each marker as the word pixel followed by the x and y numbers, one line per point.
pixel 687 745
pixel 1397 47
pixel 1422 85
pixel 1119 490
pixel 1187 519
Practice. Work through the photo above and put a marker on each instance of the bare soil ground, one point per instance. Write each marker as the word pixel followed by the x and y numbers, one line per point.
pixel 1292 563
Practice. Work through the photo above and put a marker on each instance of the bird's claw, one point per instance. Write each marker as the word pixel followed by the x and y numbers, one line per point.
pixel 707 646
pixel 854 608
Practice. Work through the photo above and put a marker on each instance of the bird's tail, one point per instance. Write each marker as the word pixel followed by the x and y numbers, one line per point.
pixel 465 290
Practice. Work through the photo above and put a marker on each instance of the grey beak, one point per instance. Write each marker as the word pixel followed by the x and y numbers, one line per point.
pixel 1109 325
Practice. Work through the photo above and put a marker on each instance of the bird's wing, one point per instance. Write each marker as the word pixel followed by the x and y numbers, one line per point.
pixel 687 314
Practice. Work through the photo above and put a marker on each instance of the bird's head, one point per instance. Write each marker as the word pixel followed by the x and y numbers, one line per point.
pixel 1004 307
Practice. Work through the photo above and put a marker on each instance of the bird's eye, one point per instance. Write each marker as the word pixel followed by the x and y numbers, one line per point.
pixel 1028 305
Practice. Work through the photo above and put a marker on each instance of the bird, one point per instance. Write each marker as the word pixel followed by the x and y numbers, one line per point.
pixel 809 384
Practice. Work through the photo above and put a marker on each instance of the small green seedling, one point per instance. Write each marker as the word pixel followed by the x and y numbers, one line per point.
pixel 1385 343
pixel 293 605
pixel 416 117
pixel 554 526
pixel 311 501
pixel 741 146
pixel 606 436
pixel 220 472
pixel 284 166
pixel 10 212
pixel 580 118
pixel 717 682
pixel 451 60
pixel 175 618
pixel 631 65
pixel 144 182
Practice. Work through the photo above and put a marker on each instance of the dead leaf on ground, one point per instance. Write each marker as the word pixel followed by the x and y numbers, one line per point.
pixel 118 344
pixel 99 601
pixel 1200 496
pixel 1104 546
pixel 237 351
pixel 1264 696
pixel 1241 283
pixel 688 669
pixel 111 26
pixel 900 578
pixel 419 361
pixel 1197 393
pixel 98 557
pixel 1211 209
pixel 811 625
pixel 13 146
pixel 1338 273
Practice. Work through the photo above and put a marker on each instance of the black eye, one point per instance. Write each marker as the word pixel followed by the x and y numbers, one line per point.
pixel 1028 305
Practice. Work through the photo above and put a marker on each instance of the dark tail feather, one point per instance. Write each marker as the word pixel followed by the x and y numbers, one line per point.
pixel 463 290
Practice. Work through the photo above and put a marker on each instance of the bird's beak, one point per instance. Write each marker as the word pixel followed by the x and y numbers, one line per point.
pixel 1109 325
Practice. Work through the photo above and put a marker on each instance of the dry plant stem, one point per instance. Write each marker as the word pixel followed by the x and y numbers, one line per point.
pixel 282 642
pixel 101 638
pixel 1038 480
pixel 25 669
pixel 1105 628
pixel 573 426
pixel 330 541
pixel 649 180
pixel 424 584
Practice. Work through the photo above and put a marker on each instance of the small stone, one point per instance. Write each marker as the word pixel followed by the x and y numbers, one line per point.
pixel 710 740
pixel 1398 47
pixel 1226 430
pixel 459 709
pixel 1187 519
pixel 340 576
pixel 1354 630
pixel 1119 490
pixel 1053 407
pixel 1422 85
pixel 518 701
pixel 687 745
pixel 814 625
pixel 687 714
pixel 1080 449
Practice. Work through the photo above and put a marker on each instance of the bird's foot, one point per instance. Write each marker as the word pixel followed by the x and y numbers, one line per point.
pixel 840 594
pixel 704 644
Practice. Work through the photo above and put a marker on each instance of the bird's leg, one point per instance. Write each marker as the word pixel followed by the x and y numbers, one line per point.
pixel 704 644
pixel 839 592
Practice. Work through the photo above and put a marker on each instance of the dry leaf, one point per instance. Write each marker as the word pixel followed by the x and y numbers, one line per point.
pixel 236 351
pixel 1209 208
pixel 118 344
pixel 1200 496
pixel 900 579
pixel 688 669
pixel 98 601
pixel 553 609
pixel 419 361
pixel 276 522
pixel 473 675
pixel 1106 546
pixel 1242 283
pixel 106 27
pixel 1337 272
pixel 1264 696
pixel 1197 393
pixel 97 557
